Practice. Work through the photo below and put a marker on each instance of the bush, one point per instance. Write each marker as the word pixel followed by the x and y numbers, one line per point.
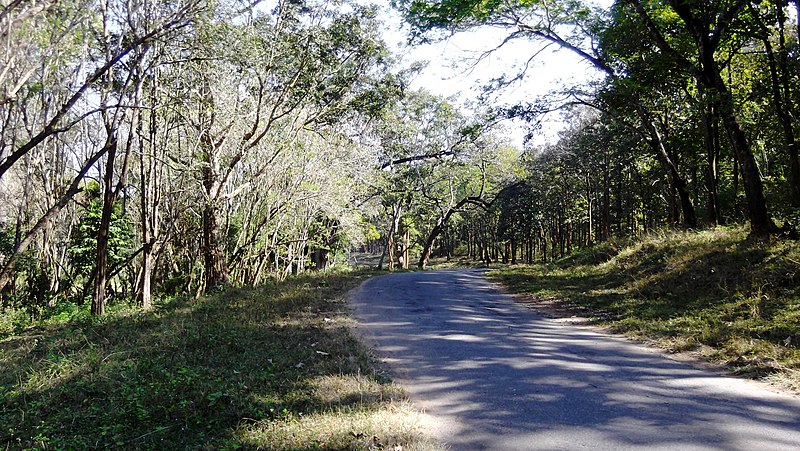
pixel 13 321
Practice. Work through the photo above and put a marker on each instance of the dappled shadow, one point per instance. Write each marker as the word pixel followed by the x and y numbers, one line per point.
pixel 500 376
pixel 730 291
pixel 185 375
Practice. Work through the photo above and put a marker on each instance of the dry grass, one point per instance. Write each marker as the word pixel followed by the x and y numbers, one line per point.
pixel 396 426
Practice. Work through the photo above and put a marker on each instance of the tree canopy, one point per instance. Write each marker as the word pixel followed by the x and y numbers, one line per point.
pixel 158 149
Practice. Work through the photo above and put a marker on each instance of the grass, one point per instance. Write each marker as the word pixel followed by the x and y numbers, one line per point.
pixel 274 367
pixel 734 301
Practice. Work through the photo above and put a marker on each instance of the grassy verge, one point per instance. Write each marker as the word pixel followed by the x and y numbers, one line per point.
pixel 736 302
pixel 270 368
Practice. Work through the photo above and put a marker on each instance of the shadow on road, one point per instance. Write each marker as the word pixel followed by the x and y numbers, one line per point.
pixel 498 376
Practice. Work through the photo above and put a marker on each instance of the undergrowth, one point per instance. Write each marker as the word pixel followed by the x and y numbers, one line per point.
pixel 246 368
pixel 735 301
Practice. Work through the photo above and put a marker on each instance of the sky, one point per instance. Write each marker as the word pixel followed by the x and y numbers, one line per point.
pixel 452 71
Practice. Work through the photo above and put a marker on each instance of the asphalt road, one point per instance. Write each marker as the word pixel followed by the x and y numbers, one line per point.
pixel 495 375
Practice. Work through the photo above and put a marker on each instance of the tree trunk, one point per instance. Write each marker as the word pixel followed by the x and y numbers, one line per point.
pixel 426 249
pixel 589 210
pixel 150 179
pixel 543 245
pixel 487 256
pixel 674 213
pixel 709 73
pixel 215 268
pixel 711 135
pixel 439 228
pixel 677 181
pixel 101 261
pixel 513 251
pixel 406 245
pixel 145 297
pixel 216 273
pixel 391 248
pixel 605 214
pixel 761 225
pixel 73 189
pixel 781 99
pixel 321 257
pixel 390 240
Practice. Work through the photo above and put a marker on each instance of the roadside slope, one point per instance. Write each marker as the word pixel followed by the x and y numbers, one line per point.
pixel 712 292
pixel 274 367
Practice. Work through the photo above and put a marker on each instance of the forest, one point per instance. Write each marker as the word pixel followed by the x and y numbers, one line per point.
pixel 152 149
pixel 181 161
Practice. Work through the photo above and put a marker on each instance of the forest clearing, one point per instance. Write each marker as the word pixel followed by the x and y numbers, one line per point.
pixel 189 188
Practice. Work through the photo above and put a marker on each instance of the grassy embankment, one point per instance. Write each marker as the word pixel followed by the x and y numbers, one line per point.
pixel 713 292
pixel 270 368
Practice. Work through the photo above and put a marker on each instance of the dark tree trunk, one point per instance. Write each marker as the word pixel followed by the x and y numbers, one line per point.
pixel 513 251
pixel 689 218
pixel 605 207
pixel 101 260
pixel 43 222
pixel 761 225
pixel 707 41
pixel 673 215
pixel 321 258
pixel 543 245
pixel 711 135
pixel 781 98
pixel 426 249
pixel 439 228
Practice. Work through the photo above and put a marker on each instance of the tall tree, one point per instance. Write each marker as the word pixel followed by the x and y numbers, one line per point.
pixel 74 105
pixel 572 26
pixel 710 27
pixel 302 67
pixel 781 88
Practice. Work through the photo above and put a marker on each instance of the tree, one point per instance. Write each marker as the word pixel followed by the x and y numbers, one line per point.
pixel 436 163
pixel 571 26
pixel 710 27
pixel 73 104
pixel 781 89
pixel 303 67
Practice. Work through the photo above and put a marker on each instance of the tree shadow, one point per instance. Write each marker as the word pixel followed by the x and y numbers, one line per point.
pixel 185 375
pixel 742 290
pixel 499 376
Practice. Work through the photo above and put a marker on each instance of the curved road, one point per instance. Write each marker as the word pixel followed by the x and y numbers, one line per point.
pixel 497 376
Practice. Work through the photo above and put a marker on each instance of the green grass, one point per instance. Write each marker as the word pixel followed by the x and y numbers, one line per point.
pixel 274 367
pixel 735 301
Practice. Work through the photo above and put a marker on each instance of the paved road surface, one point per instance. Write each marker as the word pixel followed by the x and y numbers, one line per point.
pixel 497 376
